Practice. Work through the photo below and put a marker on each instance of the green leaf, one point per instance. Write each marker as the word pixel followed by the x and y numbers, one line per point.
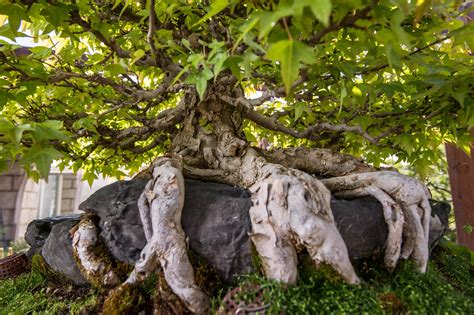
pixel 216 7
pixel 4 98
pixel 218 62
pixel 87 123
pixel 49 130
pixel 300 107
pixel 41 52
pixel 115 69
pixel 137 55
pixel 12 132
pixel 290 54
pixel 90 177
pixel 234 65
pixel 41 158
pixel 421 6
pixel 321 9
pixel 200 80
pixel 245 29
pixel 15 15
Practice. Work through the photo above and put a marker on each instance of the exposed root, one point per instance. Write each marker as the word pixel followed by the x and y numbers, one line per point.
pixel 97 270
pixel 291 208
pixel 406 210
pixel 160 206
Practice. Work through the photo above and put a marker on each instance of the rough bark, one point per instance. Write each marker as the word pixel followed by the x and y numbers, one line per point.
pixel 320 162
pixel 94 267
pixel 291 208
pixel 160 208
pixel 394 191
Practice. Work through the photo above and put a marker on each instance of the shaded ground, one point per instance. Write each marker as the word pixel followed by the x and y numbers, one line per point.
pixel 447 287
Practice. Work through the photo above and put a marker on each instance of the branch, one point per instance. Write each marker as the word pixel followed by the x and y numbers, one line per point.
pixel 348 21
pixel 418 50
pixel 95 78
pixel 77 19
pixel 275 125
pixel 151 30
pixel 320 162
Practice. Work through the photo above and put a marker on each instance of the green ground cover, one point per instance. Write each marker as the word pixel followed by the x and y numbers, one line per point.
pixel 447 288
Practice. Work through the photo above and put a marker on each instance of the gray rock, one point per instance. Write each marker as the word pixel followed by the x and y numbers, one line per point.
pixel 216 222
pixel 439 223
pixel 38 231
pixel 120 223
pixel 57 252
pixel 362 226
pixel 215 219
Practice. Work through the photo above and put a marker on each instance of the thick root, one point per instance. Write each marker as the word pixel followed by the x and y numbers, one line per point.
pixel 394 191
pixel 161 205
pixel 291 208
pixel 97 270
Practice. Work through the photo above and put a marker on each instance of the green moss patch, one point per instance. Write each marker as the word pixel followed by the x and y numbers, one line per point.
pixel 447 288
pixel 32 292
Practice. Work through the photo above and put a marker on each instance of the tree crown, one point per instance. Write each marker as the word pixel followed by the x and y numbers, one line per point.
pixel 102 89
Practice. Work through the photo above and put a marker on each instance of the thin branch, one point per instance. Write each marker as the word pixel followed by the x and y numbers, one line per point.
pixel 418 50
pixel 152 145
pixel 275 125
pixel 152 30
pixel 348 21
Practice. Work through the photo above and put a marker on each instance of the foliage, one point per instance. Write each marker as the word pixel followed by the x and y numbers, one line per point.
pixel 372 78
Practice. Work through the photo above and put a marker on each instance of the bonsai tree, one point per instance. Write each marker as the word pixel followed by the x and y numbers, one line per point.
pixel 284 98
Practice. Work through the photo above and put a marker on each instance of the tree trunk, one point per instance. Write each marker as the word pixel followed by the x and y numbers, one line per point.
pixel 461 177
pixel 291 207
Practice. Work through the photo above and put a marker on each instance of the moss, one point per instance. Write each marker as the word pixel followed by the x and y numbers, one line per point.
pixel 206 277
pixel 122 269
pixel 256 260
pixel 100 251
pixel 307 268
pixel 455 264
pixel 96 278
pixel 445 289
pixel 33 292
pixel 40 266
pixel 125 299
pixel 164 300
pixel 391 303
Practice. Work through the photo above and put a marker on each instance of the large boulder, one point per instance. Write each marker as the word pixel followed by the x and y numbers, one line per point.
pixel 215 219
pixel 216 222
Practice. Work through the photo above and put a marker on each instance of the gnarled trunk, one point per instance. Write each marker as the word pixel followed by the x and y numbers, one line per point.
pixel 291 207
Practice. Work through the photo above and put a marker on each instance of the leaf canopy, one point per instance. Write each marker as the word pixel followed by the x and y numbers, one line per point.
pixel 376 79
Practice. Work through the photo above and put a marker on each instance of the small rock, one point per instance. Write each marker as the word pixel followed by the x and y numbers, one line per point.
pixel 57 252
pixel 38 231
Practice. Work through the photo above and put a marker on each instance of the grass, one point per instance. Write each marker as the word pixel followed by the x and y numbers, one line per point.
pixel 447 288
pixel 31 293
